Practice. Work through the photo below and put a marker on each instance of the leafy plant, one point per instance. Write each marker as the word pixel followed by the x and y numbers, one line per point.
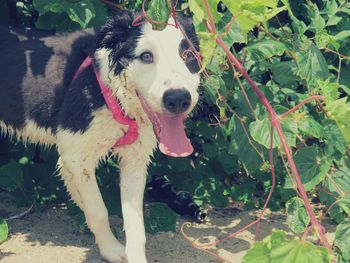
pixel 296 58
pixel 69 15
pixel 159 218
pixel 277 248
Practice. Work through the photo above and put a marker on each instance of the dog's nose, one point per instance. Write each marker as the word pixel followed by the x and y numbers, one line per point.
pixel 177 100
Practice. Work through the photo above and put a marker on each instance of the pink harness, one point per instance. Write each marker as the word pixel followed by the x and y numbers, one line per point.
pixel 117 112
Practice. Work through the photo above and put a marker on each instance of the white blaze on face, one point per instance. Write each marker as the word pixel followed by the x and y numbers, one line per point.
pixel 168 70
pixel 161 70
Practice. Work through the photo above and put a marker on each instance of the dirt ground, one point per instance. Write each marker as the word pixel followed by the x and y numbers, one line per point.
pixel 52 236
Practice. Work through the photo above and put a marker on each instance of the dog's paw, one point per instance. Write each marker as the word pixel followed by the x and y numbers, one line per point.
pixel 136 258
pixel 113 252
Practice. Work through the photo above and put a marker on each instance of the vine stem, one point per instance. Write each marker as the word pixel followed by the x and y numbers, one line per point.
pixel 276 124
pixel 315 97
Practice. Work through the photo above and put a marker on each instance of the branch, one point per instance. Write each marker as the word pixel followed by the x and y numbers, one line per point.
pixel 318 228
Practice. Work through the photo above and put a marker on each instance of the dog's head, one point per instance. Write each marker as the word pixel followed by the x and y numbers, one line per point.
pixel 159 67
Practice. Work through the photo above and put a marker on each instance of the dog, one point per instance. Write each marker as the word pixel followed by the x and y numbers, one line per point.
pixel 116 91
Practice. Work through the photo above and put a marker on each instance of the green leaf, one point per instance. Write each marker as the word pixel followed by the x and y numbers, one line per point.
pixel 259 253
pixel 159 11
pixel 250 13
pixel 212 83
pixel 339 111
pixel 207 47
pixel 266 49
pixel 100 14
pixel 11 176
pixel 330 90
pixel 337 189
pixel 299 251
pixel 312 167
pixel 160 218
pixel 199 12
pixel 297 218
pixel 334 139
pixel 342 35
pixel 244 148
pixel 310 127
pixel 59 21
pixel 4 230
pixel 284 72
pixel 342 238
pixel 277 249
pixel 211 150
pixel 234 34
pixel 81 12
pixel 323 39
pixel 317 21
pixel 44 6
pixel 312 65
pixel 261 132
pixel 340 182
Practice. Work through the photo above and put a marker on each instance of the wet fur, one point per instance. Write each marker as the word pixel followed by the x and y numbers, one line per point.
pixel 42 104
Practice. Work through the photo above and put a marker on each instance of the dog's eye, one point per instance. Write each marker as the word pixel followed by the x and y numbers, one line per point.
pixel 146 57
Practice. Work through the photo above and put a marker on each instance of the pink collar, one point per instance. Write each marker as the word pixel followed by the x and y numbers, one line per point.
pixel 117 112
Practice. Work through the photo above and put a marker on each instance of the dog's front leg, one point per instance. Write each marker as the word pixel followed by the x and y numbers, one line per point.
pixel 133 170
pixel 79 155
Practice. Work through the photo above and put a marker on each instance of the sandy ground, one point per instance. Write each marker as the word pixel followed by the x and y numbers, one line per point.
pixel 52 236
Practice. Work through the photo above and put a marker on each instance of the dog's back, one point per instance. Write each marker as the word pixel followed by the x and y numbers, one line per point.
pixel 36 68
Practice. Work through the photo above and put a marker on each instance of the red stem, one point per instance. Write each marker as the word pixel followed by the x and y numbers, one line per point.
pixel 276 124
pixel 315 97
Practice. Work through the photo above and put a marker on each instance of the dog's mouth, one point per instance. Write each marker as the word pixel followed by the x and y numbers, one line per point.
pixel 170 132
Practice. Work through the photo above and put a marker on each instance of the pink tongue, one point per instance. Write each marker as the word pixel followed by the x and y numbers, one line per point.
pixel 172 139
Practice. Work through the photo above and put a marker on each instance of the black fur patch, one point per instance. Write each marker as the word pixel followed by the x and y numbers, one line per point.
pixel 81 99
pixel 36 69
pixel 185 49
pixel 120 37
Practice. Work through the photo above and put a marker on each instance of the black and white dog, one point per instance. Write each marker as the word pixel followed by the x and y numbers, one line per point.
pixel 52 95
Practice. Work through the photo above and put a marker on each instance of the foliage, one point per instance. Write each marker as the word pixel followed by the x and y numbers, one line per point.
pixel 292 51
pixel 159 218
pixel 63 15
pixel 159 12
pixel 4 230
pixel 342 238
pixel 277 248
pixel 297 218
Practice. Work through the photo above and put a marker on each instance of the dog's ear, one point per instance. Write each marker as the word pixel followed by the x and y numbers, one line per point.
pixel 119 36
pixel 189 42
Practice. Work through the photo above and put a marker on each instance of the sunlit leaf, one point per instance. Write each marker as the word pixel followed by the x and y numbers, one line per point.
pixel 4 230
pixel 261 132
pixel 159 12
pixel 250 13
pixel 297 217
pixel 199 11
pixel 266 49
pixel 312 65
pixel 277 249
pixel 207 47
